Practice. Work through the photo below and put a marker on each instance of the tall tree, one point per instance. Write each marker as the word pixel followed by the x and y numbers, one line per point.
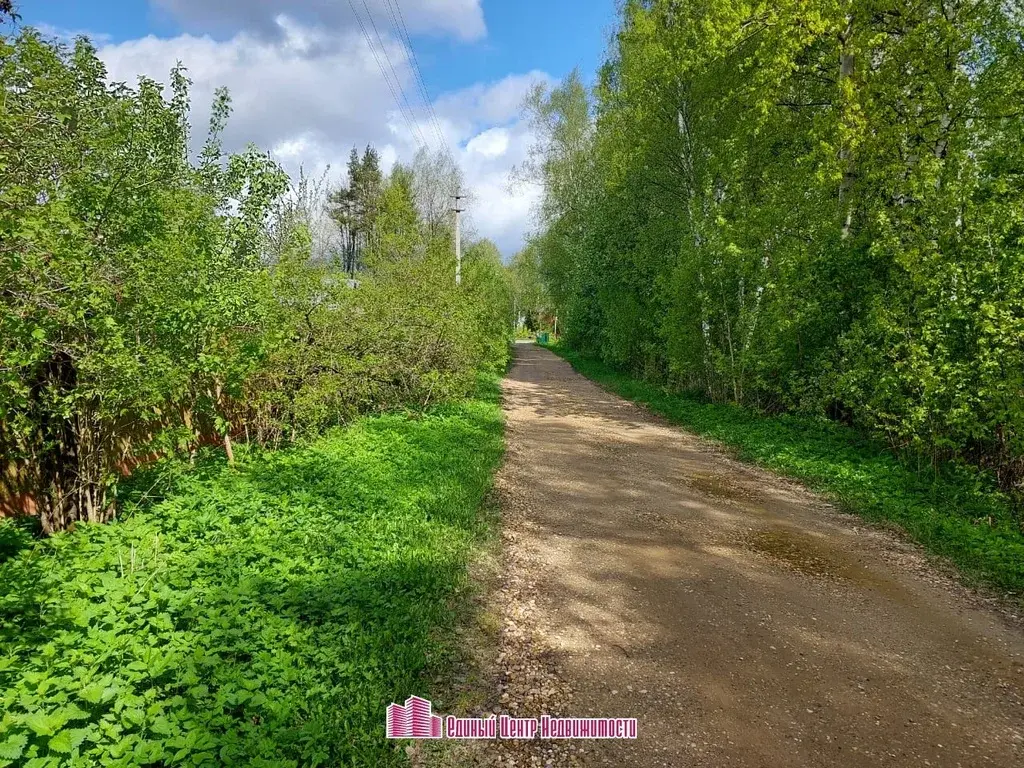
pixel 529 296
pixel 397 227
pixel 436 181
pixel 803 205
pixel 561 162
pixel 354 205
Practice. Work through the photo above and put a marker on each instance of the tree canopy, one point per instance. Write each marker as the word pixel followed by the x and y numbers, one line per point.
pixel 796 205
pixel 150 302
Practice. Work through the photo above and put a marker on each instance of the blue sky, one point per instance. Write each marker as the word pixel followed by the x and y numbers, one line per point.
pixel 306 85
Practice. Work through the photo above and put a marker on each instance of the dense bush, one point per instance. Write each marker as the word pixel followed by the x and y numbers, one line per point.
pixel 803 206
pixel 406 336
pixel 262 615
pixel 149 302
pixel 127 301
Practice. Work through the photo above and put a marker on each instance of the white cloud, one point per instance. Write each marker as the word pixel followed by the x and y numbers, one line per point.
pixel 278 91
pixel 462 18
pixel 485 104
pixel 502 216
pixel 491 143
pixel 309 95
pixel 483 123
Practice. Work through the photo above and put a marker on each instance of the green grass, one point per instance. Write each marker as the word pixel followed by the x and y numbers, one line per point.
pixel 259 616
pixel 957 513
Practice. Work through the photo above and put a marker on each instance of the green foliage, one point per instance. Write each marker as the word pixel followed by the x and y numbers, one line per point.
pixel 263 615
pixel 398 225
pixel 128 292
pixel 529 296
pixel 956 513
pixel 355 206
pixel 485 288
pixel 562 162
pixel 406 336
pixel 149 303
pixel 803 206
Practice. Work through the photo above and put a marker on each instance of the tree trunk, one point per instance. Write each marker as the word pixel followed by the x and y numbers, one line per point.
pixel 219 392
pixel 846 69
pixel 71 459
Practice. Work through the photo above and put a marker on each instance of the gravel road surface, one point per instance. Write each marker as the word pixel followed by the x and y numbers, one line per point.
pixel 740 618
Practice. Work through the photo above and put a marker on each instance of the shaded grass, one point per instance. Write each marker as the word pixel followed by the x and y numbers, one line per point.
pixel 956 513
pixel 263 615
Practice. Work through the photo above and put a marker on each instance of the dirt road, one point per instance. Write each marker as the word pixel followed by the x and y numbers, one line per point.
pixel 740 618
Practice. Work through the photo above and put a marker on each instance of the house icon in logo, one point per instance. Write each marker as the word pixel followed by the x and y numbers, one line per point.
pixel 415 720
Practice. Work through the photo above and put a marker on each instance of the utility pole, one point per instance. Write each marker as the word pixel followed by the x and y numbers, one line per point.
pixel 458 241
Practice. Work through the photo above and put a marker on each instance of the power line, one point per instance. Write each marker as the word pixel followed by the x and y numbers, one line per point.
pixel 394 72
pixel 405 113
pixel 398 19
pixel 394 8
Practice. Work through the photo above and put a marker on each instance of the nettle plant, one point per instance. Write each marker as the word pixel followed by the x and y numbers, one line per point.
pixel 130 278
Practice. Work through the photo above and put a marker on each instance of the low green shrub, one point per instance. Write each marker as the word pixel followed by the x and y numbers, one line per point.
pixel 262 615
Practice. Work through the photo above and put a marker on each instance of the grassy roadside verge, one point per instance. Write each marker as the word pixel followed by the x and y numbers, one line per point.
pixel 258 616
pixel 956 515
